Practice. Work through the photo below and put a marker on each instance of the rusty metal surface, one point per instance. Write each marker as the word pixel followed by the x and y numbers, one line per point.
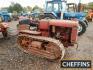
pixel 64 23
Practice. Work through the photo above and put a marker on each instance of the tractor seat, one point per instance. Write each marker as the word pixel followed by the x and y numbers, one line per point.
pixel 30 32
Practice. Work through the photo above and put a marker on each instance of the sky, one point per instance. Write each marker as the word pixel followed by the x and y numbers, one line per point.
pixel 32 3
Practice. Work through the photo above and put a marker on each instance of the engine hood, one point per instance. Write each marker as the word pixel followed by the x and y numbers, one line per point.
pixel 64 23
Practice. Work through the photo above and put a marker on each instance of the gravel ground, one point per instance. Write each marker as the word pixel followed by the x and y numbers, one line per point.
pixel 12 58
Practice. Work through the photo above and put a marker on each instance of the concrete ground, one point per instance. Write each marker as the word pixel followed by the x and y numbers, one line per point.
pixel 12 58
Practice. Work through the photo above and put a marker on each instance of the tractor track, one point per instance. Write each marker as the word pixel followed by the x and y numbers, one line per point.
pixel 53 41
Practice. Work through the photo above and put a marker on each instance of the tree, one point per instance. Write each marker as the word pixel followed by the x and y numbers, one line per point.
pixel 37 9
pixel 90 5
pixel 29 9
pixel 15 7
pixel 24 9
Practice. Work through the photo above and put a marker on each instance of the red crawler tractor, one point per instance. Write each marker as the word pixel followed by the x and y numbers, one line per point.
pixel 47 38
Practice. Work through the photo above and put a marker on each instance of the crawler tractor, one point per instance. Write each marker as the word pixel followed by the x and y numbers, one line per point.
pixel 47 38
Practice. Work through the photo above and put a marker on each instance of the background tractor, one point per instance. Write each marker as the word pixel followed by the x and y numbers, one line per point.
pixel 5 17
pixel 47 38
pixel 59 9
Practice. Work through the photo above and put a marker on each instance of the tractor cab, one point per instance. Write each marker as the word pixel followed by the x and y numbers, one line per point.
pixel 56 7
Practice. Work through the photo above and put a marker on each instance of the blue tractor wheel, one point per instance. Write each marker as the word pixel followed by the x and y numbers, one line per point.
pixel 81 28
pixel 86 22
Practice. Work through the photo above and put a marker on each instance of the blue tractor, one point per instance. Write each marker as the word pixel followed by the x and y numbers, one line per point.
pixel 59 9
pixel 5 16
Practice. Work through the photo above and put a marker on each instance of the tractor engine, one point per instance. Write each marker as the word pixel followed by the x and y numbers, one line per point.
pixel 63 30
pixel 61 33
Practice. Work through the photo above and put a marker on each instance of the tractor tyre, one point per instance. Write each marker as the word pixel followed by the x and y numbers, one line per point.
pixel 81 28
pixel 0 19
pixel 47 16
pixel 86 22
